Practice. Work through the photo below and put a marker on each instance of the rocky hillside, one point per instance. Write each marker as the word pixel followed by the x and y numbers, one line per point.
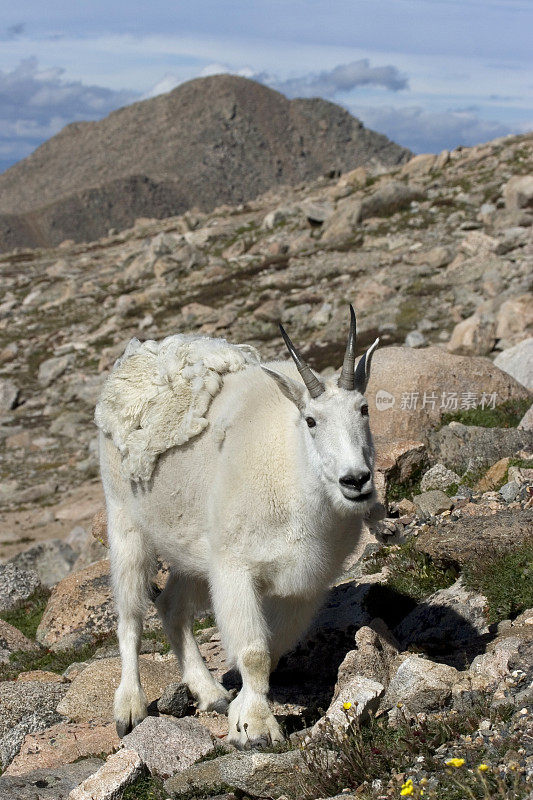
pixel 437 254
pixel 415 679
pixel 222 139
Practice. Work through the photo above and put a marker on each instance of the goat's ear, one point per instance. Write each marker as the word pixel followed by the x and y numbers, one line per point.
pixel 293 390
pixel 362 370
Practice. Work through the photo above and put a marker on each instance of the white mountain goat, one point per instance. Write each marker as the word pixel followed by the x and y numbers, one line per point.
pixel 254 515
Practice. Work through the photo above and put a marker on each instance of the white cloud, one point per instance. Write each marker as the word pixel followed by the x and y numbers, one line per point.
pixel 431 131
pixel 170 80
pixel 36 103
pixel 340 79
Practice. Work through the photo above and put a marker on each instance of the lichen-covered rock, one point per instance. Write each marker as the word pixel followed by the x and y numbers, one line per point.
pixel 358 695
pixel 119 771
pixel 456 444
pixel 18 699
pixel 416 380
pixel 30 722
pixel 438 477
pixel 25 707
pixel 16 585
pixel 470 538
pixel 90 695
pixel 258 774
pixel 168 746
pixel 432 502
pixel 11 640
pixel 493 476
pixel 99 527
pixel 420 685
pixel 81 609
pixel 62 744
pixel 55 783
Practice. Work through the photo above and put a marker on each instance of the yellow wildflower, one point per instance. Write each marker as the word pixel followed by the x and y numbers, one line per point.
pixel 483 767
pixel 346 705
pixel 407 789
pixel 455 762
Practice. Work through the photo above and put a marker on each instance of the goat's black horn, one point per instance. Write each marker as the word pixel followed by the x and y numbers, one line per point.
pixel 347 377
pixel 314 386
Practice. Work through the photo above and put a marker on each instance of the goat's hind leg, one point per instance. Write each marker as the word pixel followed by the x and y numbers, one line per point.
pixel 181 599
pixel 132 567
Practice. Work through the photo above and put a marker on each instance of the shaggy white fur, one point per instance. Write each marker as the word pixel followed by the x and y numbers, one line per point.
pixel 158 393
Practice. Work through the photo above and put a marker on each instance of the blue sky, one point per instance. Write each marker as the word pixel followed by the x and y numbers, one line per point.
pixel 429 73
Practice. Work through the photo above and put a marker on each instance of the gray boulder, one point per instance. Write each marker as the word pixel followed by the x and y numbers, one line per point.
pixel 259 774
pixel 174 700
pixel 52 560
pixel 344 222
pixel 8 395
pixel 20 699
pixel 432 502
pixel 31 722
pixel 420 685
pixel 517 361
pixel 390 197
pixel 454 444
pixel 53 368
pixel 415 339
pixel 518 193
pixel 509 490
pixel 55 783
pixel 16 585
pixel 471 538
pixel 169 746
pixel 438 477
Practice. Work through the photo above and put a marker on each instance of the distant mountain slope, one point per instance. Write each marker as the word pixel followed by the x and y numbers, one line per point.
pixel 222 139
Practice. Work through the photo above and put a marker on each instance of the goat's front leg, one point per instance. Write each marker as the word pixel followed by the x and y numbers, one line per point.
pixel 243 629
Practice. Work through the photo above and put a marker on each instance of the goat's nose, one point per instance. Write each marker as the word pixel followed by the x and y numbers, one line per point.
pixel 355 480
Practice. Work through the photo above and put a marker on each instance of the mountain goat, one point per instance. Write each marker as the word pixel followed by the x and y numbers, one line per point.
pixel 255 516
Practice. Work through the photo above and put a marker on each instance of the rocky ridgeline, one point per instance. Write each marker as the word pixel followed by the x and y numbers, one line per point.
pixel 430 626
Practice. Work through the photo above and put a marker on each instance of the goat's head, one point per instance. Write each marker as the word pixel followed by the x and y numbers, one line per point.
pixel 334 415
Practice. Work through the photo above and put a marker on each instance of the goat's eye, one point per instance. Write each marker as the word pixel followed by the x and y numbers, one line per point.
pixel 364 411
pixel 311 422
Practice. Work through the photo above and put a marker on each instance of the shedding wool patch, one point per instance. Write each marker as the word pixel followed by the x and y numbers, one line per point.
pixel 158 393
